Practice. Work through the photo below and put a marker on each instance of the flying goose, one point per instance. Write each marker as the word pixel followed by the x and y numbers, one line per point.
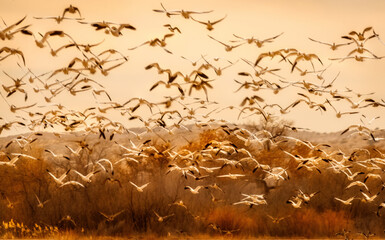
pixel 6 32
pixel 305 196
pixel 246 202
pixel 333 46
pixel 139 189
pixel 59 180
pixel 72 183
pixel 11 162
pixel 168 13
pixel 257 42
pixel 345 202
pixel 228 47
pixel 231 176
pixel 179 203
pixel 67 219
pixel 368 198
pixel 277 219
pixel 295 204
pixel 162 218
pixel 56 155
pixel 71 9
pixel 209 24
pixel 193 190
pixel 41 204
pixel 110 218
pixel 87 178
pixel 358 183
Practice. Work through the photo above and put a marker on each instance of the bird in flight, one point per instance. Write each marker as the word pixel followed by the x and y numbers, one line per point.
pixel 139 188
pixel 209 24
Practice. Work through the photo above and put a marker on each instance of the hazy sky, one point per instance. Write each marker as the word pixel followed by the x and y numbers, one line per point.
pixel 325 20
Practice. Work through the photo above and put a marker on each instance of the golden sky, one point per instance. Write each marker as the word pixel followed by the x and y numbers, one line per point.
pixel 325 21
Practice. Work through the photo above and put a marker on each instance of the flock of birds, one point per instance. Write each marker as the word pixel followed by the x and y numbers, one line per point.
pixel 175 116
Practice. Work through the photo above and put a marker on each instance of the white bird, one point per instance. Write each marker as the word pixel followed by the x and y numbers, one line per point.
pixel 209 169
pixel 87 178
pixel 24 155
pixel 306 197
pixel 139 189
pixel 107 161
pixel 179 203
pixel 59 180
pixel 367 198
pixel 372 175
pixel 277 174
pixel 358 183
pixel 352 176
pixel 382 205
pixel 246 202
pixel 73 183
pixel 57 155
pixel 253 197
pixel 231 176
pixel 192 190
pixel 77 152
pixel 295 204
pixel 127 159
pixel 11 163
pixel 345 202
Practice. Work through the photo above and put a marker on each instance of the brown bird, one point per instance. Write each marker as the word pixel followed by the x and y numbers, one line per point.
pixel 168 85
pixel 71 9
pixel 303 57
pixel 58 19
pixel 356 57
pixel 162 218
pixel 257 42
pixel 157 42
pixel 209 24
pixel 361 35
pixel 11 51
pixel 171 28
pixel 14 108
pixel 99 25
pixel 277 219
pixel 6 32
pixel 360 49
pixel 228 47
pixel 41 204
pixel 40 43
pixel 168 13
pixel 116 31
pixel 184 13
pixel 269 54
pixel 110 218
pixel 333 46
pixel 68 219
pixel 201 85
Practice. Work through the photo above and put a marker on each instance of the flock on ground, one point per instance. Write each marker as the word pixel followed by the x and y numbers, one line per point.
pixel 209 166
